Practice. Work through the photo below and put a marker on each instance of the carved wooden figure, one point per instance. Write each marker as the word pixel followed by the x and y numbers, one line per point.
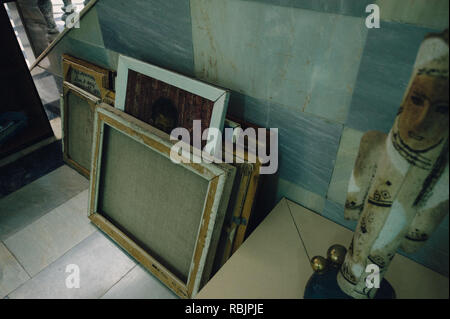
pixel 399 186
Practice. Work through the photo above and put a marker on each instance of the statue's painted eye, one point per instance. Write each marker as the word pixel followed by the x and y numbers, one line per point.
pixel 442 108
pixel 417 100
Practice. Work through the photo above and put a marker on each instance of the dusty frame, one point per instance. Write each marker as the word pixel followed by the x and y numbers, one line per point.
pixel 248 191
pixel 220 97
pixel 150 137
pixel 93 101
pixel 241 207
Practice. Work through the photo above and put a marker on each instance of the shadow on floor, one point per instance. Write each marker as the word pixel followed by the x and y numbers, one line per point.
pixel 30 167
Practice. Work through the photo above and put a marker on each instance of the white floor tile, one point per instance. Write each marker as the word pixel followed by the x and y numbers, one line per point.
pixel 12 275
pixel 101 264
pixel 31 202
pixel 44 241
pixel 139 284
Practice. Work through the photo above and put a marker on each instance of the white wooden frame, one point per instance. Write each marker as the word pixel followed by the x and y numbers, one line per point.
pixel 153 139
pixel 219 96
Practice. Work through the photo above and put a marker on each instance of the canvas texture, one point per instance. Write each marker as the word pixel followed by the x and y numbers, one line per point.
pixel 80 130
pixel 156 203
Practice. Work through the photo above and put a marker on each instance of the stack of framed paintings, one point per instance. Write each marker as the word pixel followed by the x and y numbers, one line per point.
pixel 181 221
pixel 166 100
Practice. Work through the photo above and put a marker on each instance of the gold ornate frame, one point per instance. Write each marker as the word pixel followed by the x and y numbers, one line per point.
pixel 102 77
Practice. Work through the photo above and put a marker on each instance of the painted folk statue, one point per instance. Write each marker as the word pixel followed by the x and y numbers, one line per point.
pixel 399 187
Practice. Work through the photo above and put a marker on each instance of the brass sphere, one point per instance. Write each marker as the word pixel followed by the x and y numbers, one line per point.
pixel 319 264
pixel 336 254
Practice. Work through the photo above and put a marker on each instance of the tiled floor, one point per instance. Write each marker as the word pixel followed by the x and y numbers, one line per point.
pixel 44 229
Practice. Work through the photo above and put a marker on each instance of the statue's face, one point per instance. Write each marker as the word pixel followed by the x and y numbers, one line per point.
pixel 423 122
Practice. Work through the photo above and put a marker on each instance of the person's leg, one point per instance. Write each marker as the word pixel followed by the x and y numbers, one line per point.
pixel 46 7
pixel 67 8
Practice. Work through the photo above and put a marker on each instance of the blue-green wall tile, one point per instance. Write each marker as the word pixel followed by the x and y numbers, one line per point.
pixel 307 147
pixel 384 74
pixel 155 31
pixel 427 13
pixel 336 69
pixel 89 30
pixel 345 161
pixel 83 50
pixel 249 109
pixel 298 58
pixel 335 212
pixel 84 43
pixel 299 195
pixel 355 8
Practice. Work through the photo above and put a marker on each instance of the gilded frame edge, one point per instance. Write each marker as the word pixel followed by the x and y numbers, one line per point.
pixel 101 75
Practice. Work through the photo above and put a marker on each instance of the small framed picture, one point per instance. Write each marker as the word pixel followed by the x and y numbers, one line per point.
pixel 87 76
pixel 167 100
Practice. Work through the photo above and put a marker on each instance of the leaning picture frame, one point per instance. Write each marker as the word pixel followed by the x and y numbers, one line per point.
pixel 193 99
pixel 241 205
pixel 168 216
pixel 77 119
